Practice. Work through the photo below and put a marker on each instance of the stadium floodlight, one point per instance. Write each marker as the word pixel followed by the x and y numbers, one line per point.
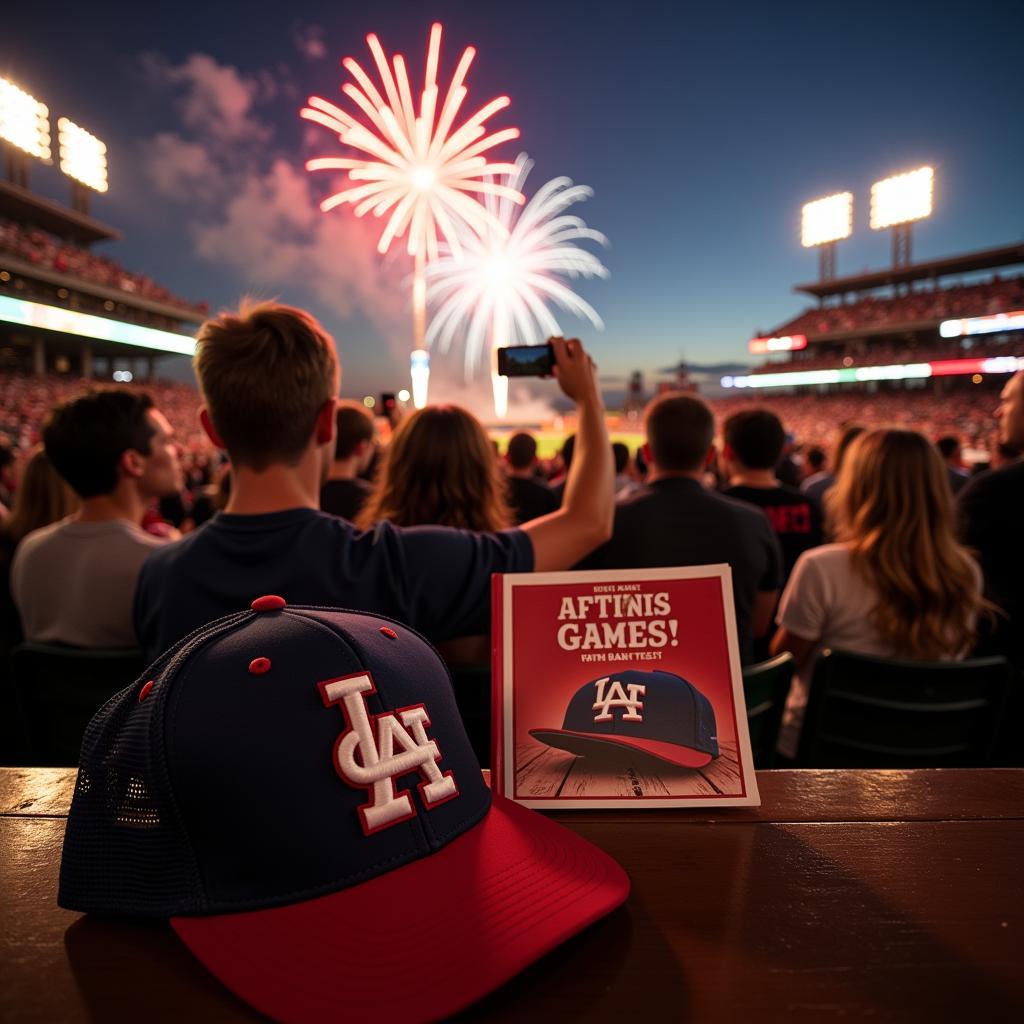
pixel 24 121
pixel 786 343
pixel 902 199
pixel 826 220
pixel 82 156
pixel 85 325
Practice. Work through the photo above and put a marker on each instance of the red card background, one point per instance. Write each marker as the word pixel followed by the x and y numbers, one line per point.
pixel 546 676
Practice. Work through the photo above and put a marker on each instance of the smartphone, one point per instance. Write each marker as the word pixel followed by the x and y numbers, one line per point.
pixel 526 361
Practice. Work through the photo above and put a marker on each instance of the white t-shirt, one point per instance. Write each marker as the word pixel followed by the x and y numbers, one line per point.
pixel 826 599
pixel 74 582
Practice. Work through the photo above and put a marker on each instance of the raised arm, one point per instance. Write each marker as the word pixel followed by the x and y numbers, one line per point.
pixel 584 521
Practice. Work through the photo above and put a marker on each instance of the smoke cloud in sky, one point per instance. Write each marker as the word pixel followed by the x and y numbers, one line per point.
pixel 248 205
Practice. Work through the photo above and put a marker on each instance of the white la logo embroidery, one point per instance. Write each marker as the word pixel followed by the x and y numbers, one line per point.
pixel 615 697
pixel 379 763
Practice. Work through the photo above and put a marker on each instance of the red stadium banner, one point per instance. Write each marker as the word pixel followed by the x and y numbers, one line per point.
pixel 619 689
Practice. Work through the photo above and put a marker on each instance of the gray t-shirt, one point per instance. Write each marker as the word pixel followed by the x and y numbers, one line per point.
pixel 74 582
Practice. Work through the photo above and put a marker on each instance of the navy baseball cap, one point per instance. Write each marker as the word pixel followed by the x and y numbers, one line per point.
pixel 294 789
pixel 657 713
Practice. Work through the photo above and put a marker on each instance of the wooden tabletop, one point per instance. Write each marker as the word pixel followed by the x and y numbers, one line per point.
pixel 848 895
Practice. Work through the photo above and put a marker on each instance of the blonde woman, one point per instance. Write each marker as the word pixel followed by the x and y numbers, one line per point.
pixel 896 583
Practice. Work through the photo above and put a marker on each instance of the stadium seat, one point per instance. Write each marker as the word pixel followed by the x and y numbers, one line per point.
pixel 765 687
pixel 865 712
pixel 58 689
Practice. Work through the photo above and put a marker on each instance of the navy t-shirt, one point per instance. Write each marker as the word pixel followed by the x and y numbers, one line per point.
pixel 677 521
pixel 433 578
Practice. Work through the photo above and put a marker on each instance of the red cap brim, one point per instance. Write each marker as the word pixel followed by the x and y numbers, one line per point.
pixel 423 941
pixel 588 744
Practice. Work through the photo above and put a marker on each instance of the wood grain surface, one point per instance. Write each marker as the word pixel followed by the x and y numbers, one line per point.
pixel 545 771
pixel 882 896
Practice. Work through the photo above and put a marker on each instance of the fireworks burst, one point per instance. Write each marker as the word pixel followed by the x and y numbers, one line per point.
pixel 497 286
pixel 418 169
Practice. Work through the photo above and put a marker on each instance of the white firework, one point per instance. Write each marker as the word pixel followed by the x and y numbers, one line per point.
pixel 499 289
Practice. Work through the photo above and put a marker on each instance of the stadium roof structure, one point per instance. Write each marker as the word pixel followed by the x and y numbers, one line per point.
pixel 985 259
pixel 26 207
pixel 65 279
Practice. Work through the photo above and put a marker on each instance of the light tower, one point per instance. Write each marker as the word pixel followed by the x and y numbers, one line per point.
pixel 823 223
pixel 897 202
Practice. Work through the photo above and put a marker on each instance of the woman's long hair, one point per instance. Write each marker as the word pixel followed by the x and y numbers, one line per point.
pixel 42 498
pixel 893 507
pixel 440 468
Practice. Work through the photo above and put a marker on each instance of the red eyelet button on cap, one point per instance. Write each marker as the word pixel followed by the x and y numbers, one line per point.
pixel 270 603
pixel 388 631
pixel 259 666
pixel 144 692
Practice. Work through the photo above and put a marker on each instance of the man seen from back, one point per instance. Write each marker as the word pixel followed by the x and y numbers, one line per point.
pixel 991 508
pixel 674 520
pixel 528 495
pixel 753 440
pixel 268 376
pixel 345 491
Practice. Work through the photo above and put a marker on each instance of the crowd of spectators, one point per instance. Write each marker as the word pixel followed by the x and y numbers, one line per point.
pixel 853 531
pixel 44 250
pixel 999 295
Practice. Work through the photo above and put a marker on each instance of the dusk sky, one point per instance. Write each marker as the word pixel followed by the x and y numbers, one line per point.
pixel 701 128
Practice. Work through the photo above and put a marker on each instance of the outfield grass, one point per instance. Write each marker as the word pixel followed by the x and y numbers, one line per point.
pixel 549 442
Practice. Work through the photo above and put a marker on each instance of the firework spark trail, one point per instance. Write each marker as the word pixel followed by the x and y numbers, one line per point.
pixel 496 288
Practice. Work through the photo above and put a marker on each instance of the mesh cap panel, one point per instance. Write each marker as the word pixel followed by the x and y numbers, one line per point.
pixel 125 850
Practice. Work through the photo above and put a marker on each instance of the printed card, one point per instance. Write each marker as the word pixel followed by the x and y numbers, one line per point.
pixel 619 689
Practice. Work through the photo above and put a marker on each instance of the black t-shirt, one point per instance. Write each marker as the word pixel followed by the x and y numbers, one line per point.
pixel 435 579
pixel 344 498
pixel 795 519
pixel 991 510
pixel 676 521
pixel 530 498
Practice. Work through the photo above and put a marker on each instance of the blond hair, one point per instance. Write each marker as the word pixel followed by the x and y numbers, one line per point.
pixel 893 507
pixel 440 468
pixel 265 373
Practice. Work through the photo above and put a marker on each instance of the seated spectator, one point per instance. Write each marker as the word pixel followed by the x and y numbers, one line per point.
pixel 7 477
pixel 566 454
pixel 991 509
pixel 73 581
pixel 211 499
pixel 268 377
pixel 344 493
pixel 818 490
pixel 896 583
pixel 675 520
pixel 529 496
pixel 815 462
pixel 952 456
pixel 439 470
pixel 1004 454
pixel 41 498
pixel 753 442
pixel 787 469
